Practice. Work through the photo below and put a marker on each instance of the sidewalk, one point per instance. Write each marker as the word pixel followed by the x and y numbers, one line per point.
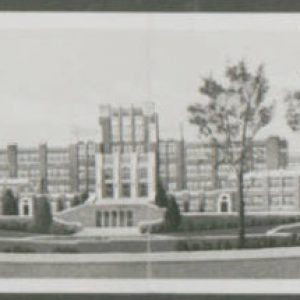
pixel 214 255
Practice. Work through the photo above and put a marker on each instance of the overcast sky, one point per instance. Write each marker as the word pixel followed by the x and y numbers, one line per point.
pixel 55 69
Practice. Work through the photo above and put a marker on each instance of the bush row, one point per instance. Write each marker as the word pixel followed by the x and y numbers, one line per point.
pixel 227 244
pixel 152 227
pixel 26 224
pixel 208 222
pixel 16 223
pixel 26 249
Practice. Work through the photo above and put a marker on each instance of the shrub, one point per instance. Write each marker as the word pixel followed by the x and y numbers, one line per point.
pixel 9 203
pixel 58 227
pixel 211 222
pixel 42 215
pixel 225 244
pixel 65 249
pixel 172 216
pixel 19 249
pixel 161 197
pixel 60 204
pixel 182 246
pixel 152 226
pixel 16 223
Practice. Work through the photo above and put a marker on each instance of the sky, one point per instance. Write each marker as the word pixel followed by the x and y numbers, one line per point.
pixel 57 68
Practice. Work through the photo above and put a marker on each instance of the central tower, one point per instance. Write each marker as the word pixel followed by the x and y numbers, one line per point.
pixel 126 162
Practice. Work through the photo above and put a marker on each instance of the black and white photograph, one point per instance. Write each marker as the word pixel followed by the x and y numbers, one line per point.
pixel 138 148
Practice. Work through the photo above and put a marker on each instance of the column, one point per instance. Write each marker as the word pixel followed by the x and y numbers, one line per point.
pixel 133 175
pixel 125 218
pixel 12 159
pixel 99 176
pixel 30 207
pixel 118 218
pixel 151 175
pixel 74 168
pixel 116 174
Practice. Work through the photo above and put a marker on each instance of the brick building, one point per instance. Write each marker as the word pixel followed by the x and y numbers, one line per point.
pixel 69 169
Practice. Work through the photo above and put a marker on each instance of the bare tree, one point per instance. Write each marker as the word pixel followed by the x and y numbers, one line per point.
pixel 230 115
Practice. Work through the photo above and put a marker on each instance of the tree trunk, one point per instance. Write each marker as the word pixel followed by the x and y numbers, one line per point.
pixel 241 209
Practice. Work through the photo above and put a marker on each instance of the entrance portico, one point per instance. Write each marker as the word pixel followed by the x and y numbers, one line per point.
pixel 114 218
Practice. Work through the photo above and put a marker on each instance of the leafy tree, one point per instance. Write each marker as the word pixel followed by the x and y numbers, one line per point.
pixel 42 214
pixel 9 203
pixel 231 114
pixel 172 217
pixel 293 110
pixel 161 198
pixel 60 204
pixel 84 196
pixel 76 200
pixel 43 186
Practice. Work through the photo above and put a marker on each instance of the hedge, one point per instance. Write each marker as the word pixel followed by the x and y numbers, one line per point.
pixel 226 244
pixel 64 228
pixel 211 222
pixel 16 223
pixel 156 226
pixel 26 224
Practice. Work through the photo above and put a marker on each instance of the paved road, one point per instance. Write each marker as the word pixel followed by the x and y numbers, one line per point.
pixel 266 263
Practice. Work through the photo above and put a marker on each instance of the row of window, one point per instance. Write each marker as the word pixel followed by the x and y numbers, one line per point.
pixel 58 172
pixel 274 200
pixel 125 190
pixel 125 173
pixel 201 185
pixel 58 188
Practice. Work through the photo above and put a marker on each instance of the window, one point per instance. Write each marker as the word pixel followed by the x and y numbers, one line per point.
pixel 143 190
pixel 224 206
pixel 129 218
pixel 108 173
pixel 26 209
pixel 125 173
pixel 139 129
pixel 275 182
pixel 106 218
pixel 257 200
pixel 115 129
pixel 142 173
pixel 172 148
pixel 186 206
pixel 109 191
pixel 127 148
pixel 116 148
pixel 114 219
pixel 172 169
pixel 191 170
pixel 162 170
pixel 172 186
pixel 122 218
pixel 288 182
pixel 276 200
pixel 288 200
pixel 125 190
